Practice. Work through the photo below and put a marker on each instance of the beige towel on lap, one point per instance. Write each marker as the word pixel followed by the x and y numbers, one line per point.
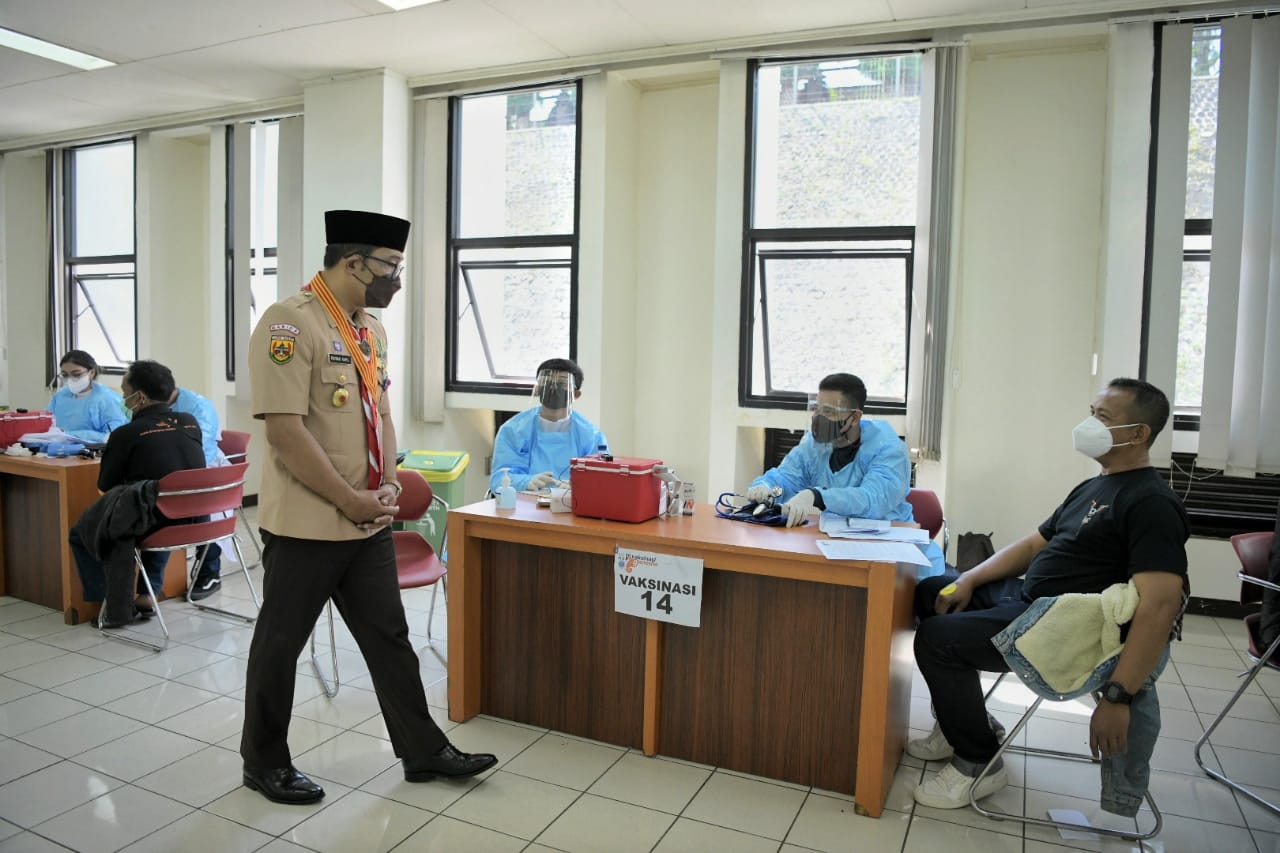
pixel 1077 633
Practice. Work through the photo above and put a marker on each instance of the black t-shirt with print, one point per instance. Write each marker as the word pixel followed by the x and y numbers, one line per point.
pixel 1107 530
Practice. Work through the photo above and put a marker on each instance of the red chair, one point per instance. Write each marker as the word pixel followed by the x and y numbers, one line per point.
pixel 927 511
pixel 235 446
pixel 417 564
pixel 188 494
pixel 1253 549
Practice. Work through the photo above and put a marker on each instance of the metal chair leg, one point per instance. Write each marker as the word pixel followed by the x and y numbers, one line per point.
pixel 1248 676
pixel 1007 746
pixel 133 637
pixel 253 537
pixel 330 687
pixel 244 569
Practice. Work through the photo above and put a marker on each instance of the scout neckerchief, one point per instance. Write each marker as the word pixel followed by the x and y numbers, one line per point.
pixel 365 358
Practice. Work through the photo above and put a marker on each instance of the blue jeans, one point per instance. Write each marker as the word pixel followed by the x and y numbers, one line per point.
pixel 93 572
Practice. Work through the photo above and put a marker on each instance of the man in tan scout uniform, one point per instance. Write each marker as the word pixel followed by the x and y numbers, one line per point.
pixel 317 363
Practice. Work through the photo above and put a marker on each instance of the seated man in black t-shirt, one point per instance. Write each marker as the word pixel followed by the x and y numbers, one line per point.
pixel 1125 524
pixel 156 441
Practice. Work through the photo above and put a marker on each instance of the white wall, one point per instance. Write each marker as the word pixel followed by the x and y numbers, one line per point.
pixel 25 279
pixel 1034 118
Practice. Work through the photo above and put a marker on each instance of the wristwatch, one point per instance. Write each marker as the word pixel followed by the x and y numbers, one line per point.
pixel 1114 692
pixel 399 488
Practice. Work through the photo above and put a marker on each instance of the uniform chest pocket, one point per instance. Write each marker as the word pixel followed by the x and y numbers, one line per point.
pixel 339 389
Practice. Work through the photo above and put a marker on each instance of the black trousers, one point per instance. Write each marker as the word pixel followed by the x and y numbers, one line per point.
pixel 360 576
pixel 951 650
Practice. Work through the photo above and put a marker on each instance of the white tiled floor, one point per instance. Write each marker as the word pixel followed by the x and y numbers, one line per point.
pixel 105 747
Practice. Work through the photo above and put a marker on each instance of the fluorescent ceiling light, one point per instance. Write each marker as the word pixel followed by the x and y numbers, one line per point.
pixel 406 4
pixel 48 50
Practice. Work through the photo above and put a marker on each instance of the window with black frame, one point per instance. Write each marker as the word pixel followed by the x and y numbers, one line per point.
pixel 513 235
pixel 830 240
pixel 99 254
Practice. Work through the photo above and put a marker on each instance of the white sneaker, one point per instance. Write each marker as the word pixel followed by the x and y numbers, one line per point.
pixel 931 748
pixel 949 789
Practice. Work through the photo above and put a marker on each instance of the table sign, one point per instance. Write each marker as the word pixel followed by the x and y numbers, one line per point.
pixel 658 586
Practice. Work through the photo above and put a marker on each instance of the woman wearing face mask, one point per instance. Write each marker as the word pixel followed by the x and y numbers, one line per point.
pixel 83 407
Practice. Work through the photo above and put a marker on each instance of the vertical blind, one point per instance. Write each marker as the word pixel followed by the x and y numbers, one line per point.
pixel 1240 405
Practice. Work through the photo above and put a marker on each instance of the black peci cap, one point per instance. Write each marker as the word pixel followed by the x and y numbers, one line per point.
pixel 361 226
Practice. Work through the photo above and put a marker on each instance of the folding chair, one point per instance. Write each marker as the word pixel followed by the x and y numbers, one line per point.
pixel 417 565
pixel 1253 550
pixel 1007 746
pixel 188 494
pixel 235 446
pixel 927 510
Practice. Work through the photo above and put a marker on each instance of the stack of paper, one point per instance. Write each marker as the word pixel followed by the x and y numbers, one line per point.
pixel 840 527
pixel 885 552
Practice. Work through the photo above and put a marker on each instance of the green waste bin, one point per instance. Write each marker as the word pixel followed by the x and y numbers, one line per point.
pixel 443 469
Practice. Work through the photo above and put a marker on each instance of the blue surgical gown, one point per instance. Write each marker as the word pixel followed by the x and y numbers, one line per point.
pixel 207 416
pixel 92 415
pixel 873 485
pixel 527 450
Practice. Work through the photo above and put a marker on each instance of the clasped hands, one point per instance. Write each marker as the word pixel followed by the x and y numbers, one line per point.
pixel 373 509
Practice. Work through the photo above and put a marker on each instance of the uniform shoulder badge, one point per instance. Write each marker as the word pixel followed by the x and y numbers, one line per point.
pixel 282 347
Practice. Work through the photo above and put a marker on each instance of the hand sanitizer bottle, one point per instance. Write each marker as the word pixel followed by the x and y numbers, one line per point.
pixel 506 493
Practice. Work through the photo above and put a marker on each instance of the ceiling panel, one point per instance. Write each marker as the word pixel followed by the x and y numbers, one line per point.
pixel 27 111
pixel 825 14
pixel 122 30
pixel 17 67
pixel 686 22
pixel 577 29
pixel 910 9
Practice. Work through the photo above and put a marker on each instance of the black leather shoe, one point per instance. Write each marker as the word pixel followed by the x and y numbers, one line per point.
pixel 283 785
pixel 450 763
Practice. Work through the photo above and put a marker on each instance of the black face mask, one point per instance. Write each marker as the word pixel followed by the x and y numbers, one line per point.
pixel 826 430
pixel 379 290
pixel 554 397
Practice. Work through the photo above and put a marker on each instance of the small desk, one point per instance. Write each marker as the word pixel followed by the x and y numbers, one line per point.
pixel 40 499
pixel 800 671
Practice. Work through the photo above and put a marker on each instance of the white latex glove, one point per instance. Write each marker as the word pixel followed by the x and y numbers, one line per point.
pixel 541 481
pixel 798 507
pixel 758 493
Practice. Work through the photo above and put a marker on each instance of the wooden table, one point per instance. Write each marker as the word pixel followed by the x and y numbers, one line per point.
pixel 800 671
pixel 40 499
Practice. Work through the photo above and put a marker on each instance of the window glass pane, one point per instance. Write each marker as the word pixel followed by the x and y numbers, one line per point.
pixel 1191 334
pixel 516 160
pixel 1202 135
pixel 102 179
pixel 512 311
pixel 837 142
pixel 103 319
pixel 845 312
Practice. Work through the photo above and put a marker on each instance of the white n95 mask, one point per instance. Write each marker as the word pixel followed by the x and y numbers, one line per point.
pixel 1093 438
pixel 77 385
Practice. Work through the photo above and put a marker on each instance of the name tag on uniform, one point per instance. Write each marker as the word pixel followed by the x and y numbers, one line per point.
pixel 339 359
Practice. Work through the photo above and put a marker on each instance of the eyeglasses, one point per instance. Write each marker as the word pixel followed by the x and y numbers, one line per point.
pixel 397 267
pixel 833 413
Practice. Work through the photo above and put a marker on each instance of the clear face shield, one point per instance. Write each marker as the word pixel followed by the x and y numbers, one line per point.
pixel 829 418
pixel 553 391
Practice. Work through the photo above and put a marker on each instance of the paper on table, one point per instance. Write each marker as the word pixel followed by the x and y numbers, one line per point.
pixel 914 535
pixel 885 552
pixel 839 525
pixel 54 434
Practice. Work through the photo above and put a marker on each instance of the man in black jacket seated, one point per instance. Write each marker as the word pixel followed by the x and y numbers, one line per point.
pixel 155 442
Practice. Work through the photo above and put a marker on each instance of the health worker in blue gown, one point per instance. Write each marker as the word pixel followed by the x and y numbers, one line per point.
pixel 82 406
pixel 846 463
pixel 535 446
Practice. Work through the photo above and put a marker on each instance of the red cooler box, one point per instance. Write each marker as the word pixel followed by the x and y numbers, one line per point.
pixel 15 424
pixel 622 488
